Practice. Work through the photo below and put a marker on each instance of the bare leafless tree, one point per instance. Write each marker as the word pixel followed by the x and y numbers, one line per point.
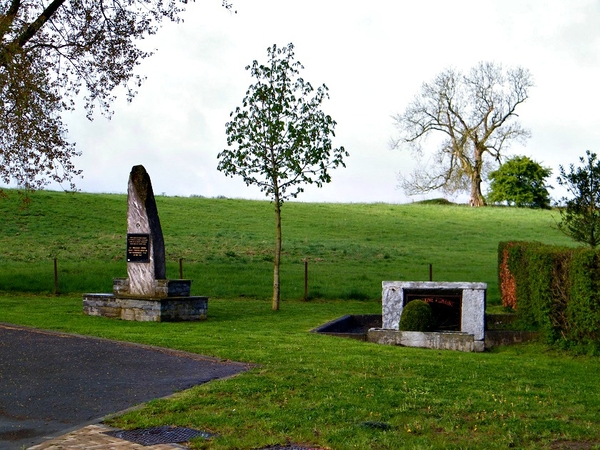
pixel 474 115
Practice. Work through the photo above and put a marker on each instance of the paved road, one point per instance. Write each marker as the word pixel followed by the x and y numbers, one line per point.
pixel 53 382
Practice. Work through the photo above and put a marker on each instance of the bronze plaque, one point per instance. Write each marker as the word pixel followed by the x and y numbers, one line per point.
pixel 138 247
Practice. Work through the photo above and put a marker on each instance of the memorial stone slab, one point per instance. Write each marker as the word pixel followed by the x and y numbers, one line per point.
pixel 146 294
pixel 144 236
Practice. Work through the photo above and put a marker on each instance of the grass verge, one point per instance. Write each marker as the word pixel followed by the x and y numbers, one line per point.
pixel 344 394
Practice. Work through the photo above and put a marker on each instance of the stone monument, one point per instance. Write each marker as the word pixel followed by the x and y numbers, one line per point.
pixel 146 294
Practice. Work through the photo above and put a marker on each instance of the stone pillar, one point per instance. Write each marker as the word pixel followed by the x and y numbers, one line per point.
pixel 473 311
pixel 392 304
pixel 146 261
pixel 146 295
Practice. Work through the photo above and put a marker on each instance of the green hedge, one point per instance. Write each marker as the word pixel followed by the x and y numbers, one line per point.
pixel 555 290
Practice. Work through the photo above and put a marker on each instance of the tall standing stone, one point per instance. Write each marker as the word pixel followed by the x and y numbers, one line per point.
pixel 145 243
pixel 147 294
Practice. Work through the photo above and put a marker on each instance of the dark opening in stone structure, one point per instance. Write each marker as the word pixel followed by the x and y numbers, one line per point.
pixel 446 306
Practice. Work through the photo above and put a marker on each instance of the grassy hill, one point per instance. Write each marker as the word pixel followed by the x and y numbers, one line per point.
pixel 307 388
pixel 227 245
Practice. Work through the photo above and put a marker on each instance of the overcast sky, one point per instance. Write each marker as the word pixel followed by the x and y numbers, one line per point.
pixel 372 56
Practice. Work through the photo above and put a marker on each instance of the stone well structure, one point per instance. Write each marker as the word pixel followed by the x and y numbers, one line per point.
pixel 459 309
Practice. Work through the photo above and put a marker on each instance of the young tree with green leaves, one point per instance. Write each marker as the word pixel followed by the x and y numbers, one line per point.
pixel 50 52
pixel 580 217
pixel 520 181
pixel 279 139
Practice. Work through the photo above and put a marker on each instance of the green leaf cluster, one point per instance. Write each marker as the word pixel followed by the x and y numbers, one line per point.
pixel 416 316
pixel 557 291
pixel 520 181
pixel 280 139
pixel 580 218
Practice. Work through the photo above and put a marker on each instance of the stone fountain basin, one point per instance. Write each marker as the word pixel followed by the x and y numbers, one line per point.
pixel 358 326
pixel 350 326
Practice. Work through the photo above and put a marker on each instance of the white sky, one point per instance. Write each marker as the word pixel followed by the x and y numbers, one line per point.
pixel 373 56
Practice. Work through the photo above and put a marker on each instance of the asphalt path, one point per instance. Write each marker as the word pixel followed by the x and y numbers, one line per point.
pixel 51 383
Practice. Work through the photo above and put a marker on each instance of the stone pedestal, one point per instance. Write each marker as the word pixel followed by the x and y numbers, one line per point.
pixel 169 309
pixel 171 303
pixel 147 294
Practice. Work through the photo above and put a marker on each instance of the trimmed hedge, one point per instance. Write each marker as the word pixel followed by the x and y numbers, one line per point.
pixel 554 290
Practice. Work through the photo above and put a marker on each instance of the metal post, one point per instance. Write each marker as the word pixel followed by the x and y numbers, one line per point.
pixel 181 268
pixel 430 272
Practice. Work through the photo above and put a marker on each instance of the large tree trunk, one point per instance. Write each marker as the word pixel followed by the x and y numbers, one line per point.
pixel 477 198
pixel 276 287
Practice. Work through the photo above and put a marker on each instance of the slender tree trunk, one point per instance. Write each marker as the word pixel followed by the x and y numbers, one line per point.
pixel 276 287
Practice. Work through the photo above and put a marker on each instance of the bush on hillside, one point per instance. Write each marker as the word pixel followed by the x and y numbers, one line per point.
pixel 436 201
pixel 416 316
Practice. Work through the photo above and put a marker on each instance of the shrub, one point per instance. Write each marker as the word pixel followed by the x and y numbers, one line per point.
pixel 580 218
pixel 553 289
pixel 416 316
pixel 506 280
pixel 583 311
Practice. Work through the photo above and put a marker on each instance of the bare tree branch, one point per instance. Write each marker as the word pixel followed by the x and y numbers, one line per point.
pixel 476 112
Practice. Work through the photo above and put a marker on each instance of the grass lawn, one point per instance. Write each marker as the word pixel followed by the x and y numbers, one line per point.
pixel 308 388
pixel 344 394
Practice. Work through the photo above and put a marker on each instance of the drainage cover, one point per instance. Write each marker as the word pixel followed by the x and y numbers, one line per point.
pixel 160 435
pixel 290 447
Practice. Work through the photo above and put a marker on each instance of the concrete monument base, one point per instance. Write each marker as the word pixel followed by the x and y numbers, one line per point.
pixel 168 309
pixel 460 307
pixel 170 302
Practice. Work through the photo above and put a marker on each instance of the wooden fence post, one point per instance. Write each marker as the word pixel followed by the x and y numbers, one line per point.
pixel 306 280
pixel 55 277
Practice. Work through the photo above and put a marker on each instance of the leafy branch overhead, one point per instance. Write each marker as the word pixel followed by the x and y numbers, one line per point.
pixel 50 52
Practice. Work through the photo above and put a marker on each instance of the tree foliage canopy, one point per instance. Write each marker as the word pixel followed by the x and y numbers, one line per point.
pixel 474 115
pixel 279 139
pixel 50 51
pixel 580 217
pixel 520 181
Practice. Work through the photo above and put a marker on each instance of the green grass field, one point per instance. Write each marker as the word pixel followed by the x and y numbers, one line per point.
pixel 227 245
pixel 309 388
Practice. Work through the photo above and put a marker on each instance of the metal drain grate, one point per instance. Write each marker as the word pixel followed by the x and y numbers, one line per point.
pixel 160 435
pixel 290 447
